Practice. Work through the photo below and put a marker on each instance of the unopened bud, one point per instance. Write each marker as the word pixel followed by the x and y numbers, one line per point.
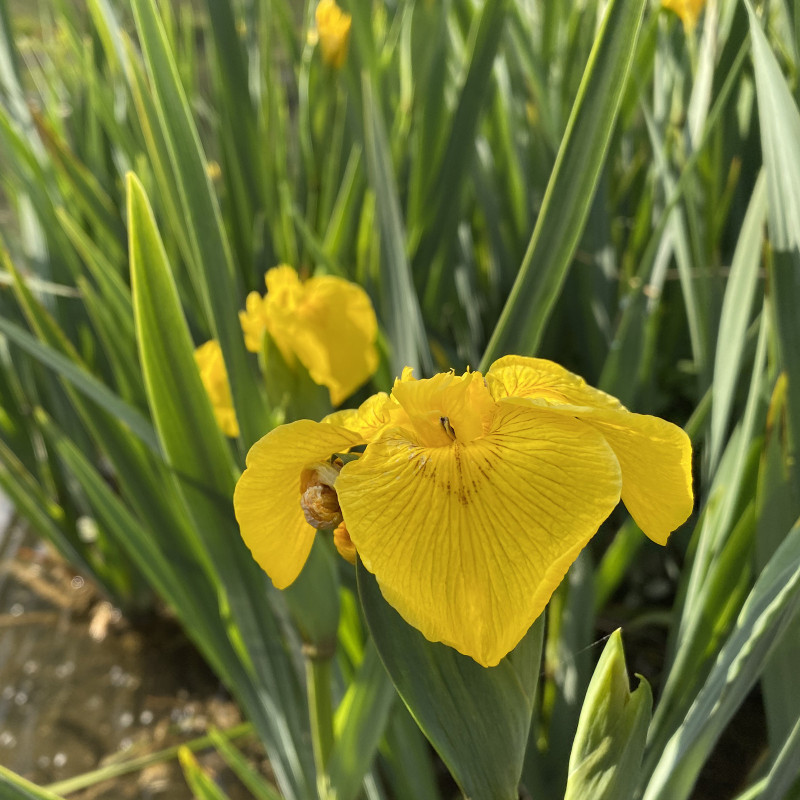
pixel 607 751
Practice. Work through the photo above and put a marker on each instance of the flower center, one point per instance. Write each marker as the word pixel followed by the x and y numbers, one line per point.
pixel 447 427
pixel 318 498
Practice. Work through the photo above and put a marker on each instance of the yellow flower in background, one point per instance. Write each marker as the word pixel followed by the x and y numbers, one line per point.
pixel 326 323
pixel 215 379
pixel 473 495
pixel 333 28
pixel 687 10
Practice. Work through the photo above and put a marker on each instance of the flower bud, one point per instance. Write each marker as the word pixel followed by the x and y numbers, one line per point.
pixel 333 27
pixel 318 499
pixel 607 752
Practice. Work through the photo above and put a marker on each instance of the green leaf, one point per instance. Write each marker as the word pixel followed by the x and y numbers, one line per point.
pixel 85 192
pixel 32 502
pixel 778 506
pixel 15 787
pixel 572 184
pixel 476 718
pixel 441 208
pixel 201 784
pixel 779 120
pixel 784 772
pixel 69 369
pixel 612 731
pixel 214 274
pixel 770 607
pixel 359 724
pixel 407 761
pixel 719 578
pixel 256 784
pixel 735 318
pixel 399 304
pixel 172 571
pixel 204 476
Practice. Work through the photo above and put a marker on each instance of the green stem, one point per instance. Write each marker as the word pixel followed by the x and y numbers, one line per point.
pixel 320 704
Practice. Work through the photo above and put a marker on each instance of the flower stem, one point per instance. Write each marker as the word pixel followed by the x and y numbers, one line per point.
pixel 320 704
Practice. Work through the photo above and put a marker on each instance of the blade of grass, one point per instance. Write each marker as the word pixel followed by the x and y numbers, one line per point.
pixel 256 784
pixel 399 303
pixel 201 784
pixel 735 319
pixel 15 787
pixel 779 121
pixel 116 770
pixel 445 182
pixel 571 187
pixel 84 382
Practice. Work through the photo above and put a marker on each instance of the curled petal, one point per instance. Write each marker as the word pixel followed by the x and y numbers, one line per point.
pixel 460 402
pixel 468 541
pixel 372 417
pixel 267 496
pixel 519 376
pixel 327 323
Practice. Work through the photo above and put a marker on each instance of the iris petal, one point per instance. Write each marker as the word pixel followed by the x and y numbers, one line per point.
pixel 267 496
pixel 655 456
pixel 519 376
pixel 372 417
pixel 656 461
pixel 469 541
pixel 335 335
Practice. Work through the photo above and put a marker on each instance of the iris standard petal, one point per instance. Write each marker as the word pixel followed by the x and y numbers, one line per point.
pixel 267 496
pixel 335 335
pixel 520 376
pixel 463 401
pixel 655 456
pixel 372 417
pixel 469 541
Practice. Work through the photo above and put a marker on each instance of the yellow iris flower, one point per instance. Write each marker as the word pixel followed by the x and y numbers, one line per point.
pixel 687 10
pixel 215 379
pixel 473 495
pixel 326 323
pixel 333 28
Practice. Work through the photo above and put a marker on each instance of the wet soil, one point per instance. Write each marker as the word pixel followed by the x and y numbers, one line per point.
pixel 81 687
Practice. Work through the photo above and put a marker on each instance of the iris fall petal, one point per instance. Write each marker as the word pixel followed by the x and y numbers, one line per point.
pixel 469 540
pixel 655 456
pixel 267 496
